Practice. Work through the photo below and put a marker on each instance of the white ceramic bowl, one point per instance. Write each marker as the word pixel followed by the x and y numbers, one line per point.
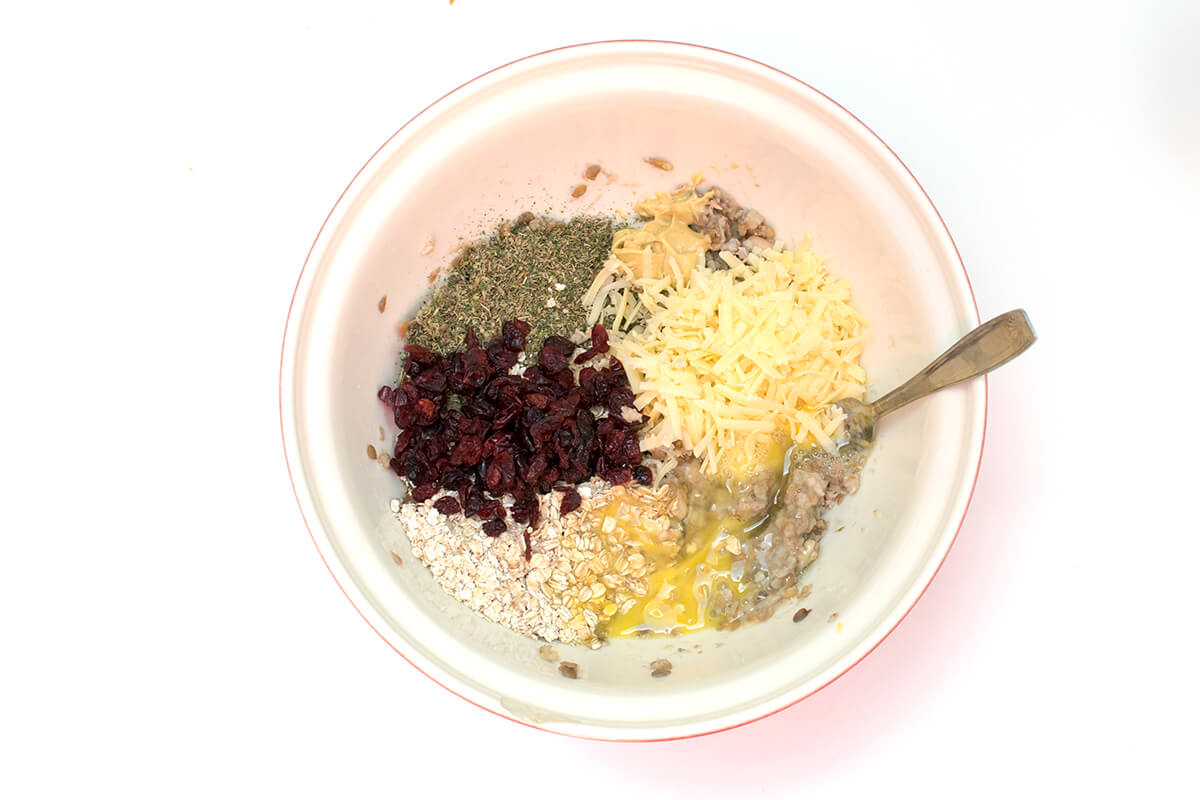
pixel 517 139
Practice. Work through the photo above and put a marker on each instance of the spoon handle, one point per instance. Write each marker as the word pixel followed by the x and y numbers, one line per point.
pixel 993 343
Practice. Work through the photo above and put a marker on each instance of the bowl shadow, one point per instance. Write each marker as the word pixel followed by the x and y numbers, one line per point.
pixel 865 709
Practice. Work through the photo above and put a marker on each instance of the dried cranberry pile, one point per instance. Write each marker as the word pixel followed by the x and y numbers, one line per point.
pixel 469 427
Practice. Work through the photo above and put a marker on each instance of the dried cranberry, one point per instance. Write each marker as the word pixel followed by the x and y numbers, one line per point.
pixel 528 546
pixel 406 395
pixel 431 380
pixel 491 509
pixel 599 344
pixel 633 448
pixel 403 441
pixel 455 480
pixel 492 477
pixel 500 472
pixel 565 406
pixel 494 527
pixel 544 428
pixel 565 380
pixel 473 502
pixel 551 360
pixel 497 442
pixel 500 356
pixel 414 467
pixel 385 394
pixel 522 510
pixel 454 370
pixel 620 476
pixel 447 505
pixel 617 399
pixel 479 407
pixel 420 355
pixel 560 344
pixel 476 369
pixel 600 337
pixel 537 400
pixel 426 412
pixel 537 467
pixel 512 334
pixel 570 501
pixel 467 452
pixel 423 492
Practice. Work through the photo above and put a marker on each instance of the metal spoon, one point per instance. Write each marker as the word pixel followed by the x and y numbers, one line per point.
pixel 993 343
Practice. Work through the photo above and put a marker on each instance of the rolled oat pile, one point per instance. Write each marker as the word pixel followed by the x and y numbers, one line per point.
pixel 584 568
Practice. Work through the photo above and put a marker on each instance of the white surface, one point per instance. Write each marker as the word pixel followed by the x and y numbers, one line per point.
pixel 535 125
pixel 169 629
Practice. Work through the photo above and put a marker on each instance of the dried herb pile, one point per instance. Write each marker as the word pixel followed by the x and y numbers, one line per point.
pixel 516 273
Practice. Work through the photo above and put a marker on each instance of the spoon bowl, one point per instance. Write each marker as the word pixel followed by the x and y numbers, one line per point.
pixel 992 344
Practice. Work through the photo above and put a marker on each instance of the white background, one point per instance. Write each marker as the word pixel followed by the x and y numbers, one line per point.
pixel 167 627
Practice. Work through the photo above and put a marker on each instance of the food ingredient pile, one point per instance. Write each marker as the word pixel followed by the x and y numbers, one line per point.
pixel 608 430
pixel 535 270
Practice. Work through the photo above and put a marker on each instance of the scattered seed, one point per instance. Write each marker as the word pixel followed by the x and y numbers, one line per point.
pixel 382 303
pixel 568 669
pixel 660 668
pixel 832 617
pixel 659 163
pixel 591 172
pixel 371 454
pixel 398 559
pixel 428 245
pixel 382 436
pixel 805 590
pixel 547 653
pixel 801 614
pixel 579 190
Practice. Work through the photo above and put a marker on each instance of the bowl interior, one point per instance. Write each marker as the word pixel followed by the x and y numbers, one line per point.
pixel 518 139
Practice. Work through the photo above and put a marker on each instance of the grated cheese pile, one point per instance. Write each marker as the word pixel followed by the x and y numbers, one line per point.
pixel 731 359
